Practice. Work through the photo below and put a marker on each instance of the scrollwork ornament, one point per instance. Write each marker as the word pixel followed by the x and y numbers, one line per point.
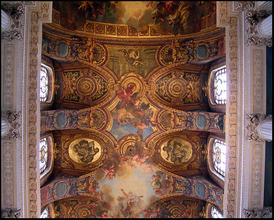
pixel 14 124
pixel 8 213
pixel 266 212
pixel 252 122
pixel 252 19
pixel 16 13
pixel 245 5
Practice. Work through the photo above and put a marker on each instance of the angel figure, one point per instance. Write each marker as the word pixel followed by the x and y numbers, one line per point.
pixel 133 57
pixel 109 172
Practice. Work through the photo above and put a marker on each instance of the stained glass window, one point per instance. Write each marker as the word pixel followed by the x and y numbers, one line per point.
pixel 215 213
pixel 220 86
pixel 45 213
pixel 44 81
pixel 43 154
pixel 219 150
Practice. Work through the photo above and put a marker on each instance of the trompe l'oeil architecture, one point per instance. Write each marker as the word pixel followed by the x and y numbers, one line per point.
pixel 136 109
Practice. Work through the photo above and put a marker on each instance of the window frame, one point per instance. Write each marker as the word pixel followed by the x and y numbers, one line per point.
pixel 218 167
pixel 44 166
pixel 48 65
pixel 50 160
pixel 216 210
pixel 50 207
pixel 213 173
pixel 219 71
pixel 208 209
pixel 215 66
pixel 46 208
pixel 46 70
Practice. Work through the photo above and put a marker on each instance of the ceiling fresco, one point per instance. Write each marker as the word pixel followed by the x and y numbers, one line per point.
pixel 130 116
pixel 173 208
pixel 129 188
pixel 167 17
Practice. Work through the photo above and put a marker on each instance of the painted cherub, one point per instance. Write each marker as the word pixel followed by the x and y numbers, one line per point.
pixel 109 172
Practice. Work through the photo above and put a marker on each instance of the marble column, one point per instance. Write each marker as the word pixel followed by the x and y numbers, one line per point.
pixel 5 21
pixel 265 27
pixel 264 129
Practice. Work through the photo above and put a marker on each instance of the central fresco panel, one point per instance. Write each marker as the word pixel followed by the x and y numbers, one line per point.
pixel 137 147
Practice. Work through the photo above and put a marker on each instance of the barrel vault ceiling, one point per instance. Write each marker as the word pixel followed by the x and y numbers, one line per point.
pixel 130 115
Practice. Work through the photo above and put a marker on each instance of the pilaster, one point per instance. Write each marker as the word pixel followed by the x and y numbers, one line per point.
pixel 21 42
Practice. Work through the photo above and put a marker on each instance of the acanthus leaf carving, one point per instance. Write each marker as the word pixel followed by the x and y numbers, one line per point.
pixel 266 212
pixel 13 124
pixel 8 213
pixel 16 14
pixel 252 19
pixel 252 121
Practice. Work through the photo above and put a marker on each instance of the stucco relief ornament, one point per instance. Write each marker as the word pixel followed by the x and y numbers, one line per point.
pixel 252 122
pixel 15 12
pixel 8 213
pixel 252 19
pixel 258 213
pixel 10 125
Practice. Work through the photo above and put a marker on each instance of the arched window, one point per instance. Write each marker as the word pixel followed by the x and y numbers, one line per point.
pixel 43 154
pixel 212 211
pixel 46 156
pixel 215 213
pixel 44 84
pixel 219 86
pixel 219 156
pixel 45 213
pixel 47 81
pixel 216 158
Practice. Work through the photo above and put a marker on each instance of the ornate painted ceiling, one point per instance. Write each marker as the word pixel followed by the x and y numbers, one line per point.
pixel 130 119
